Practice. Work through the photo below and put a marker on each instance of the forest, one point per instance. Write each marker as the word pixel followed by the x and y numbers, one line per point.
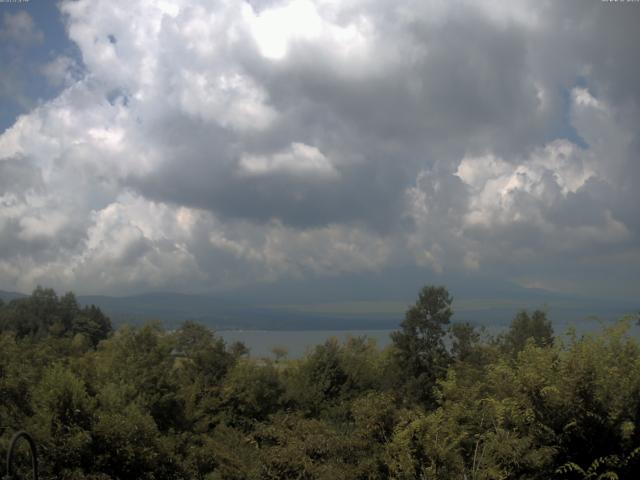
pixel 443 401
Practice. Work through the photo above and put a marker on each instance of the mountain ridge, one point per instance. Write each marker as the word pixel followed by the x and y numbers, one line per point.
pixel 245 311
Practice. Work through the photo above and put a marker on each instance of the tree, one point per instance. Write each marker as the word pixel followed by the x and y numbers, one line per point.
pixel 426 446
pixel 420 349
pixel 44 314
pixel 250 393
pixel 317 383
pixel 208 358
pixel 524 327
pixel 465 340
pixel 292 446
pixel 91 322
pixel 63 420
pixel 238 349
pixel 279 353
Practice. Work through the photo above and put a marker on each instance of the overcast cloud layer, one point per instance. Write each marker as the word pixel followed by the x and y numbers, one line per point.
pixel 199 146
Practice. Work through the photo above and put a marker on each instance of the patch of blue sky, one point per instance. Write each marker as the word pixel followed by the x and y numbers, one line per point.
pixel 23 83
pixel 566 128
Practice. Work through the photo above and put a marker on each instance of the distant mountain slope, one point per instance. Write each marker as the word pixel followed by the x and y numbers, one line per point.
pixel 345 304
pixel 8 296
pixel 221 313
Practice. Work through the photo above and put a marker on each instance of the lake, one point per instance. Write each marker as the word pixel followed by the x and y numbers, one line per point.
pixel 297 342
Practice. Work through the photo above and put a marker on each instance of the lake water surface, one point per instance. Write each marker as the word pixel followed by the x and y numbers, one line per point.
pixel 298 342
pixel 261 342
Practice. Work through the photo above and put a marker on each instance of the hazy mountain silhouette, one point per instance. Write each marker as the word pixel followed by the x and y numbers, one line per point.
pixel 357 301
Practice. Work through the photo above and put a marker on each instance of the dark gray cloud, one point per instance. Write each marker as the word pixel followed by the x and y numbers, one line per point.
pixel 466 86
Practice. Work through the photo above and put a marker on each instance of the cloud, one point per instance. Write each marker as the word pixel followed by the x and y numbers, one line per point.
pixel 299 159
pixel 62 71
pixel 19 30
pixel 205 146
pixel 553 214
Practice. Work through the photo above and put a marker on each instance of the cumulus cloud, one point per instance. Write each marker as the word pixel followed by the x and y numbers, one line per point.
pixel 62 71
pixel 205 146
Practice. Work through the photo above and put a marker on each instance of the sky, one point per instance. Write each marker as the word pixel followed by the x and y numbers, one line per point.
pixel 206 146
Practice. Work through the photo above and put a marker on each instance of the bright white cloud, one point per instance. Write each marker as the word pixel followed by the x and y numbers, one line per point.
pixel 299 159
pixel 277 29
pixel 61 71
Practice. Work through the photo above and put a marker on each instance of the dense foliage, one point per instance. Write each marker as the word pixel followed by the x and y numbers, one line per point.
pixel 144 403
